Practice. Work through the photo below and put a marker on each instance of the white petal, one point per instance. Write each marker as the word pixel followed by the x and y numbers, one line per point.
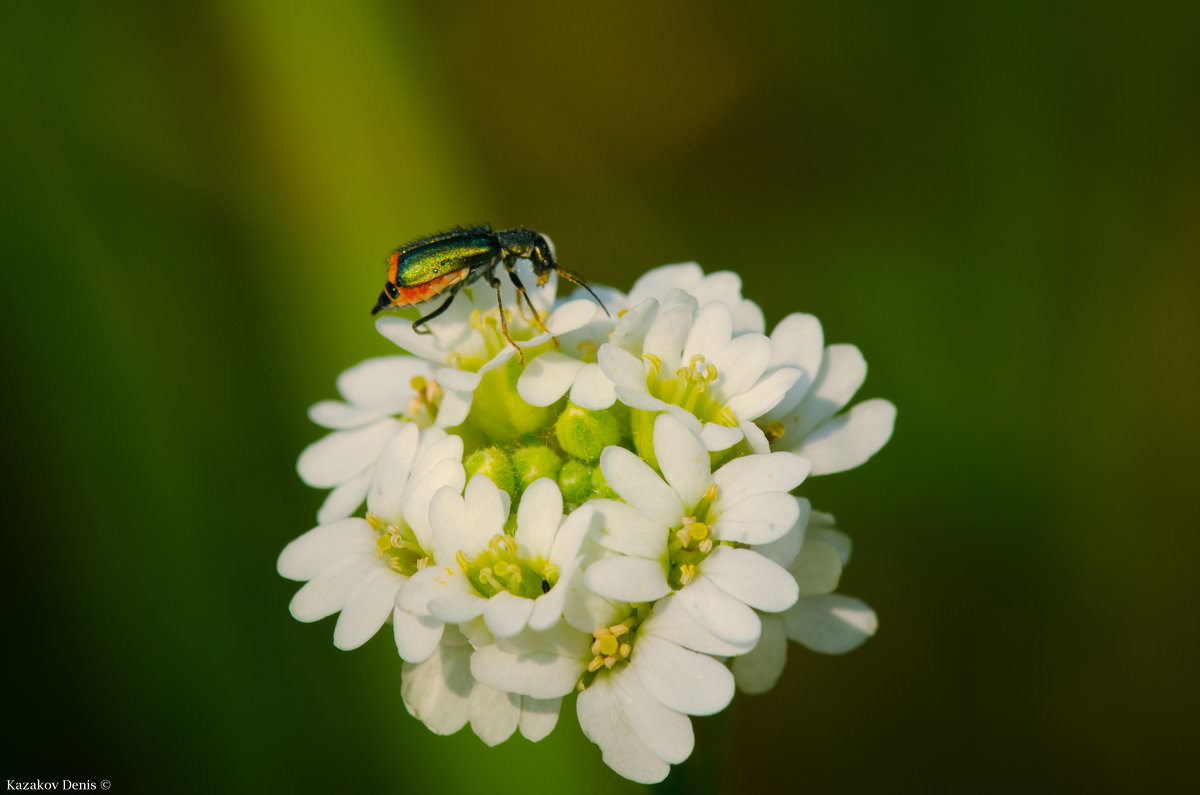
pixel 621 367
pixel 592 390
pixel 830 624
pixel 834 538
pixel 538 717
pixel 670 328
pixel 381 379
pixel 340 416
pixel 630 328
pixel 602 719
pixel 547 378
pixel 419 496
pixel 755 474
pixel 667 733
pixel 457 380
pixel 784 550
pixel 628 579
pixel 367 608
pixel 428 584
pixel 719 437
pixel 755 438
pixel 328 592
pixel 538 517
pixel 849 440
pixel 799 342
pixel 486 511
pixel 759 670
pixel 718 612
pixel 571 315
pixel 571 534
pixel 321 547
pixel 400 331
pixel 687 682
pixel 710 333
pixel 437 691
pixel 458 607
pixel 639 485
pixel 657 282
pixel 764 395
pixel 757 519
pixel 682 458
pixel 386 496
pixel 671 621
pixel 494 714
pixel 741 363
pixel 639 399
pixel 341 455
pixel 818 568
pixel 345 499
pixel 507 614
pixel 448 522
pixel 539 674
pixel 749 577
pixel 454 408
pixel 842 372
pixel 416 637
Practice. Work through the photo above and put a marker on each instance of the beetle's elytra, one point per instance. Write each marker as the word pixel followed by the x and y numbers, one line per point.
pixel 444 263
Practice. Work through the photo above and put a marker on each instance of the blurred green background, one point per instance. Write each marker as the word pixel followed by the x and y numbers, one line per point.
pixel 999 205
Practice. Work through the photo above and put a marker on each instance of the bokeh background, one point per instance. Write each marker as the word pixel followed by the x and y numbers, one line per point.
pixel 999 205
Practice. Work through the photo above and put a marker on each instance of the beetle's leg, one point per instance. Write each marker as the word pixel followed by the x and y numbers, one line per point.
pixel 495 282
pixel 422 321
pixel 521 294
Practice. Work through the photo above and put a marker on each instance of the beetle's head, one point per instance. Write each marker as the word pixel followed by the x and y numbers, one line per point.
pixel 386 298
pixel 542 259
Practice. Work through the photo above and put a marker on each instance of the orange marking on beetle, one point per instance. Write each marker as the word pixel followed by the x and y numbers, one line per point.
pixel 407 296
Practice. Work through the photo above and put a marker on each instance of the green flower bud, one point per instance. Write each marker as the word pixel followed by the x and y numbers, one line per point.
pixel 641 424
pixel 575 481
pixel 531 463
pixel 499 411
pixel 492 462
pixel 584 434
pixel 600 485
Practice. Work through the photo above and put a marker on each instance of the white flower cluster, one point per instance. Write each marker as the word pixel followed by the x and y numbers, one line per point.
pixel 613 517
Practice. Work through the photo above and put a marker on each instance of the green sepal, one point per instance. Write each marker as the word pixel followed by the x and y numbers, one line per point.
pixel 584 434
pixel 531 463
pixel 492 462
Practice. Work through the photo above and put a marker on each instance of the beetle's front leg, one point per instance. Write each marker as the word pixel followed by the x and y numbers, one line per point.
pixel 495 282
pixel 423 321
pixel 523 295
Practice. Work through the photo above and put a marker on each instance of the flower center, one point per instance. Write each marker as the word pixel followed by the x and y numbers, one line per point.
pixel 612 645
pixel 499 569
pixel 691 542
pixel 688 388
pixel 423 407
pixel 398 546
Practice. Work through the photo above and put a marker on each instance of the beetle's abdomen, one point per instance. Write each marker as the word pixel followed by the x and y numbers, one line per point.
pixel 407 296
pixel 416 265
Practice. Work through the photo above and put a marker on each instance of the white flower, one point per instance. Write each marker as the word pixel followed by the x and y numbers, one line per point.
pixel 821 620
pixel 804 421
pixel 359 566
pixel 641 669
pixel 380 394
pixel 678 534
pixel 685 359
pixel 512 581
pixel 574 368
pixel 442 694
pixel 723 286
pixel 466 341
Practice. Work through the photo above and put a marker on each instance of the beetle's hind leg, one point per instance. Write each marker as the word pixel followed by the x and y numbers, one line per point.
pixel 522 295
pixel 419 324
pixel 495 282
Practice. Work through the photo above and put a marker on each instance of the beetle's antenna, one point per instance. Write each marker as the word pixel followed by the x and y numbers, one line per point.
pixel 575 279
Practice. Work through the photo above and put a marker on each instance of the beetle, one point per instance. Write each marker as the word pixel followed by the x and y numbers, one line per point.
pixel 444 263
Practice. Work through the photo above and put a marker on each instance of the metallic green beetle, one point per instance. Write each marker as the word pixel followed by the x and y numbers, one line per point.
pixel 446 262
